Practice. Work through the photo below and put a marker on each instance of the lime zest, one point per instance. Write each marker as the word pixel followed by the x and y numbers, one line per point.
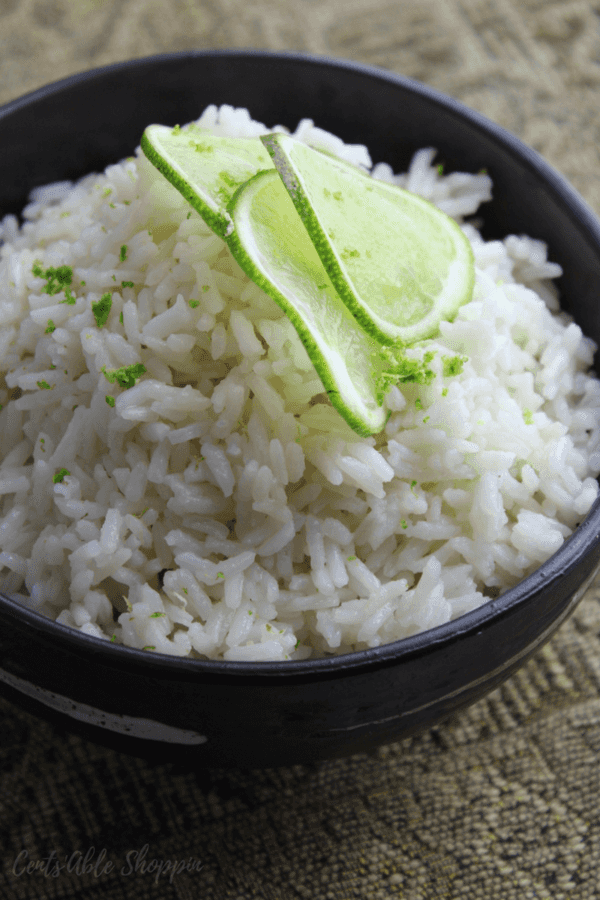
pixel 57 278
pixel 101 309
pixel 453 365
pixel 126 376
pixel 399 369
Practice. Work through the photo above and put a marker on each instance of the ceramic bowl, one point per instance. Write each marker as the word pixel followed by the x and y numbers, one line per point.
pixel 263 714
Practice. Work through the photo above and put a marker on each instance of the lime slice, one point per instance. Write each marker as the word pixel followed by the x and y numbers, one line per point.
pixel 399 264
pixel 207 169
pixel 272 246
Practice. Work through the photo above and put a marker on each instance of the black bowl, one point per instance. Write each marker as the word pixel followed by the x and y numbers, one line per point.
pixel 227 713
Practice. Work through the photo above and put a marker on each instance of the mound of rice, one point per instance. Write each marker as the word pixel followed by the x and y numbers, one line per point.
pixel 173 477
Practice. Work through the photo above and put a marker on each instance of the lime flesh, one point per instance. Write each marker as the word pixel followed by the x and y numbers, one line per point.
pixel 272 246
pixel 205 168
pixel 398 263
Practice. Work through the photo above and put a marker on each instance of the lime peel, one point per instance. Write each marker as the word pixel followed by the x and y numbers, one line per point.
pixel 357 240
pixel 205 168
pixel 271 246
pixel 317 234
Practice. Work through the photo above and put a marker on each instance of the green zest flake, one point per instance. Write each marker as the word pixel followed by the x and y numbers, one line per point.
pixel 194 304
pixel 149 647
pixel 297 644
pixel 403 523
pixel 113 639
pixel 44 386
pixel 351 558
pixel 157 615
pixel 126 376
pixel 70 299
pixel 184 590
pixel 426 420
pixel 127 284
pixel 440 169
pixel 418 403
pixel 400 369
pixel 205 287
pixel 176 130
pixel 453 365
pixel 57 279
pixel 220 575
pixel 189 215
pixel 101 309
pixel 60 476
pixel 50 327
pixel 110 400
pixel 121 317
pixel 528 417
pixel 123 253
pixel 82 283
pixel 445 392
pixel 107 192
pixel 413 485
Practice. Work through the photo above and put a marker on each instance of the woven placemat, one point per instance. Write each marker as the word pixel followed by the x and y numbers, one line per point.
pixel 499 803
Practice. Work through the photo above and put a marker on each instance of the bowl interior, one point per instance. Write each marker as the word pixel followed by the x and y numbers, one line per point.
pixel 84 123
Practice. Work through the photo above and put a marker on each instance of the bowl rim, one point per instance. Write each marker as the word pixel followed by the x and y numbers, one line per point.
pixel 580 544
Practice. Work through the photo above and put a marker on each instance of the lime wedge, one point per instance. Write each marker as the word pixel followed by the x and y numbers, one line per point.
pixel 399 264
pixel 272 246
pixel 205 168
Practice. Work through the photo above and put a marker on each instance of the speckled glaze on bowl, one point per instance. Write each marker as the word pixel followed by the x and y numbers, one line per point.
pixel 264 714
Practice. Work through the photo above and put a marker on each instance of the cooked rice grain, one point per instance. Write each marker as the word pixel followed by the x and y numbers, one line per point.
pixel 220 507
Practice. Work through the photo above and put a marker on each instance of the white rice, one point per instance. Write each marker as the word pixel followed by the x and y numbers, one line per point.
pixel 221 508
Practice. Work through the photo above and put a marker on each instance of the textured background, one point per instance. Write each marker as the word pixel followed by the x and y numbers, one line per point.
pixel 500 803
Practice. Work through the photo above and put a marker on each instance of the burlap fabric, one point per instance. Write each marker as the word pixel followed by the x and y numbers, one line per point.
pixel 502 801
